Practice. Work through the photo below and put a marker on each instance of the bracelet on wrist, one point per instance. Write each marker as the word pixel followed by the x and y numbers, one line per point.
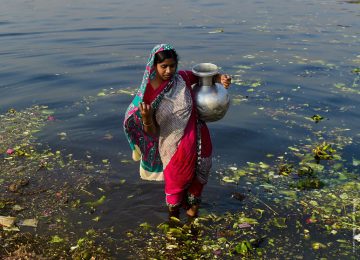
pixel 149 124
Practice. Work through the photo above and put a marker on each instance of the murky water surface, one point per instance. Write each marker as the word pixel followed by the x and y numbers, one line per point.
pixel 290 60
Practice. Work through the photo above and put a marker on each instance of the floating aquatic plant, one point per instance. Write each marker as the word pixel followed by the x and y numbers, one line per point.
pixel 317 118
pixel 324 151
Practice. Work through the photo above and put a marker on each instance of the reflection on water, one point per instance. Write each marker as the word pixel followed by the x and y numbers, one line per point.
pixel 289 61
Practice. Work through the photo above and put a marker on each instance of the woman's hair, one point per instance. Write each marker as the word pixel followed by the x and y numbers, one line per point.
pixel 166 54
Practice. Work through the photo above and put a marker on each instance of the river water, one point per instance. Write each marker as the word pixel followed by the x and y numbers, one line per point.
pixel 283 56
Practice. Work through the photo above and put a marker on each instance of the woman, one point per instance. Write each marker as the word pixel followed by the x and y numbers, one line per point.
pixel 165 134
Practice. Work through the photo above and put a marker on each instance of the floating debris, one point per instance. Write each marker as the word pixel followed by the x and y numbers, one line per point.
pixel 29 222
pixel 217 31
pixel 357 237
pixel 356 70
pixel 317 118
pixel 7 221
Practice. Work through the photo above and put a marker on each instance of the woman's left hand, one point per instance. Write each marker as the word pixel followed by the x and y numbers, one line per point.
pixel 225 80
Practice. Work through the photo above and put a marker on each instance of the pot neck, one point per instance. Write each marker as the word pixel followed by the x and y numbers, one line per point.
pixel 206 81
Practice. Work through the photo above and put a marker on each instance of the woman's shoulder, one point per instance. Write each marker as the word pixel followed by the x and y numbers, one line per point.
pixel 188 77
pixel 185 73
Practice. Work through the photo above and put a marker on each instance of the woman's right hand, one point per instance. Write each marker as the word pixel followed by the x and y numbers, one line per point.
pixel 146 113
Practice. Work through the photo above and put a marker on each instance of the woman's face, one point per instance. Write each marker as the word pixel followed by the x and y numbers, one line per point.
pixel 166 69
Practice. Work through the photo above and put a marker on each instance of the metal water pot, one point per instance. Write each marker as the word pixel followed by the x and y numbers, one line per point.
pixel 212 99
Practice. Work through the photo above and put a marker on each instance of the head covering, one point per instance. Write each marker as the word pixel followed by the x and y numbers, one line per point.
pixel 149 71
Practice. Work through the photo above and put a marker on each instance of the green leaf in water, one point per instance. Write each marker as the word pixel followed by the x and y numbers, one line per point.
pixel 228 179
pixel 285 169
pixel 316 167
pixel 56 239
pixel 279 222
pixel 145 225
pixel 294 149
pixel 313 203
pixel 344 196
pixel 309 183
pixel 356 70
pixel 317 118
pixel 260 211
pixel 97 202
pixel 289 193
pixel 243 248
pixel 263 165
pixel 318 245
pixel 356 162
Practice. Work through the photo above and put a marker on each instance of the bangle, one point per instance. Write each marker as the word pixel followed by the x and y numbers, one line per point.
pixel 147 124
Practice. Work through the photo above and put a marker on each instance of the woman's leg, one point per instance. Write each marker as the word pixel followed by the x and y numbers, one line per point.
pixel 194 197
pixel 174 202
pixel 204 163
pixel 174 212
pixel 193 211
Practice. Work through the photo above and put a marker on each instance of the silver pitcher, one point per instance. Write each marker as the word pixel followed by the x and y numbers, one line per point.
pixel 212 99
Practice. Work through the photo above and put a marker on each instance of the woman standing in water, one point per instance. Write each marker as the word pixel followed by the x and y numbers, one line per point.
pixel 165 134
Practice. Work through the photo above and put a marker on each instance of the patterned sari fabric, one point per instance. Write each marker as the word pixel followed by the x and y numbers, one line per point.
pixel 175 155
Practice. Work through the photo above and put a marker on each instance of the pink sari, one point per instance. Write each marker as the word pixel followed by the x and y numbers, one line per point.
pixel 182 185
